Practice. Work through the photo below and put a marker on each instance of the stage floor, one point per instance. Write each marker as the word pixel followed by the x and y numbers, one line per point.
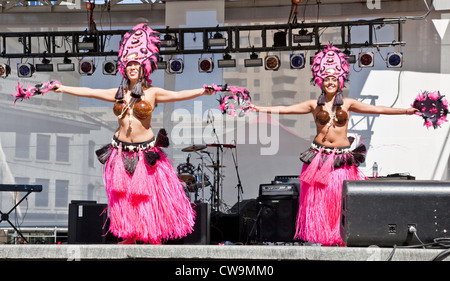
pixel 114 252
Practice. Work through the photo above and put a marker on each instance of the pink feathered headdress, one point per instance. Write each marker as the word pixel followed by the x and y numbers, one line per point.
pixel 330 62
pixel 141 44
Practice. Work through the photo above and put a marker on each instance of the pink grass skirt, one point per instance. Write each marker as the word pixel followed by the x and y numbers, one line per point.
pixel 150 204
pixel 318 218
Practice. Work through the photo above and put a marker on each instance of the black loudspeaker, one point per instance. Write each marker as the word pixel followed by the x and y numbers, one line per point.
pixel 277 217
pixel 201 233
pixel 235 226
pixel 86 221
pixel 394 212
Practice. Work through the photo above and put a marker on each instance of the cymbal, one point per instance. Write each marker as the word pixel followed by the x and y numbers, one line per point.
pixel 195 147
pixel 223 145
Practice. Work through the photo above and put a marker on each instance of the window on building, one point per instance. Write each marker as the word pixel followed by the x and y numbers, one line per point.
pixel 42 147
pixel 61 193
pixel 91 153
pixel 22 145
pixel 62 149
pixel 41 199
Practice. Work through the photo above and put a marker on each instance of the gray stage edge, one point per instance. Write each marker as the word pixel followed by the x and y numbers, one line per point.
pixel 84 252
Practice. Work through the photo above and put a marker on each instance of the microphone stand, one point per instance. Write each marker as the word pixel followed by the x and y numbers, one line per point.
pixel 239 185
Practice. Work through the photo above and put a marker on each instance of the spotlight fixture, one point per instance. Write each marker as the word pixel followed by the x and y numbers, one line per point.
pixel 279 39
pixel 253 61
pixel 217 40
pixel 205 65
pixel 66 65
pixel 89 43
pixel 394 59
pixel 25 69
pixel 161 64
pixel 272 62
pixel 226 62
pixel 175 66
pixel 5 70
pixel 45 66
pixel 303 37
pixel 86 67
pixel 366 59
pixel 168 41
pixel 297 61
pixel 351 58
pixel 109 67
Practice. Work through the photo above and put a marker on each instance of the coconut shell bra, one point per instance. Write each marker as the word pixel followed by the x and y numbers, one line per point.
pixel 339 116
pixel 137 106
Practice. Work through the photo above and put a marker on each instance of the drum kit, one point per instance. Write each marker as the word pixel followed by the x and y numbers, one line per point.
pixel 196 178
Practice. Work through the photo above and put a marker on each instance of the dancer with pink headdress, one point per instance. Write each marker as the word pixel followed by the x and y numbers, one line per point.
pixel 332 158
pixel 146 199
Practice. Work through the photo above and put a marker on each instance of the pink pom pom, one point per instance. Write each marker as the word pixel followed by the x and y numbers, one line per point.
pixel 434 95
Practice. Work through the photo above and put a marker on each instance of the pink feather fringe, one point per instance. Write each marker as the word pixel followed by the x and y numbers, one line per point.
pixel 151 205
pixel 318 218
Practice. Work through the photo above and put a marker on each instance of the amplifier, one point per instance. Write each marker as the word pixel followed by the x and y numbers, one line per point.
pixel 278 189
pixel 394 212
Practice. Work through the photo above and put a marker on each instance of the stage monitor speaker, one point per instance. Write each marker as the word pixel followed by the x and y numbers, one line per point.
pixel 201 233
pixel 277 219
pixel 388 213
pixel 86 221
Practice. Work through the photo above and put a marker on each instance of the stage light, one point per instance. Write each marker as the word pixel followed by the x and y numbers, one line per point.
pixel 226 62
pixel 303 37
pixel 66 65
pixel 109 67
pixel 297 61
pixel 161 64
pixel 272 62
pixel 176 66
pixel 86 67
pixel 279 39
pixel 253 61
pixel 205 65
pixel 351 58
pixel 366 59
pixel 45 66
pixel 88 43
pixel 5 70
pixel 25 69
pixel 394 59
pixel 168 41
pixel 217 40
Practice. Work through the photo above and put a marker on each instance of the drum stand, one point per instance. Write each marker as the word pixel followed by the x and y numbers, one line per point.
pixel 203 180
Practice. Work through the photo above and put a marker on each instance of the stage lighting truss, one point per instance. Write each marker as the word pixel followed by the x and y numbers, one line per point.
pixel 366 59
pixel 5 70
pixel 205 65
pixel 110 67
pixel 297 61
pixel 25 70
pixel 175 66
pixel 272 62
pixel 86 67
pixel 394 59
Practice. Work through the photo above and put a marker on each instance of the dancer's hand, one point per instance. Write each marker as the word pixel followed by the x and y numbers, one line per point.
pixel 208 91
